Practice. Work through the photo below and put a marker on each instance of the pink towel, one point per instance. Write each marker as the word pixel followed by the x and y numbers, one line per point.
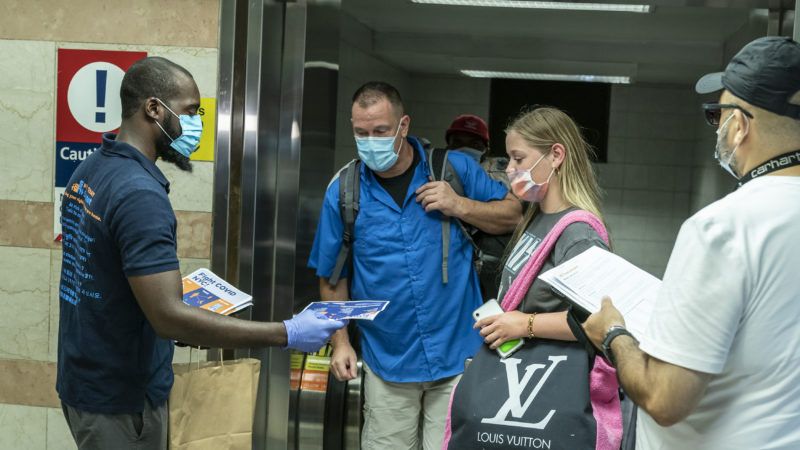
pixel 606 408
pixel 603 385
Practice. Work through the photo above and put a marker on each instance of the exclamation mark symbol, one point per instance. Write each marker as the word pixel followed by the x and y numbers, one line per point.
pixel 100 117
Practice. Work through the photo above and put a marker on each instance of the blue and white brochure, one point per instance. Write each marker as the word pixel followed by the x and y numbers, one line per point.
pixel 350 309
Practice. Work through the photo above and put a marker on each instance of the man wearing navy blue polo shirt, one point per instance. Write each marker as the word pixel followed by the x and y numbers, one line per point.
pixel 120 291
pixel 415 350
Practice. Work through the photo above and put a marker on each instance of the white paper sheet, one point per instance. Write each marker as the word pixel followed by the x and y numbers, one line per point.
pixel 596 273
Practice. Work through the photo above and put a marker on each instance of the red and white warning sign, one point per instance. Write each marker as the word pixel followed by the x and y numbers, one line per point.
pixel 87 105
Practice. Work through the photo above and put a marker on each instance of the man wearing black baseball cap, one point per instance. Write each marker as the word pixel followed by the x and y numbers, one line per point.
pixel 718 367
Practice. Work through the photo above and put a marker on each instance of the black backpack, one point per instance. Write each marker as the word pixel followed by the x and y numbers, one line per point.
pixel 440 169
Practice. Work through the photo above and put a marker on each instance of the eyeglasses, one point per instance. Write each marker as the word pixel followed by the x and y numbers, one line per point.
pixel 713 112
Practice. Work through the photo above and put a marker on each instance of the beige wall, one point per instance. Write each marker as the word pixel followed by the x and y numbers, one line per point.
pixel 647 179
pixel 358 65
pixel 435 100
pixel 31 32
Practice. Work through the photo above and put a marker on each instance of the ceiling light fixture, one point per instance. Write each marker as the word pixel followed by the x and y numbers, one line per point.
pixel 548 76
pixel 569 6
pixel 321 65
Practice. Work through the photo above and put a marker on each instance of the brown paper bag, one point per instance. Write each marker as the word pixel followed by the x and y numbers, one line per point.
pixel 211 405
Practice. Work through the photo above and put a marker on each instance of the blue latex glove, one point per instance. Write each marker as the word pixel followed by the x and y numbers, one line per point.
pixel 310 330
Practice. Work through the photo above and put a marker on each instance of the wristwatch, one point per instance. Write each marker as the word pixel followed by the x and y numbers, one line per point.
pixel 613 332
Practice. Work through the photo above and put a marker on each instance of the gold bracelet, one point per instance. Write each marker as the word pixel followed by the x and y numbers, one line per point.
pixel 530 326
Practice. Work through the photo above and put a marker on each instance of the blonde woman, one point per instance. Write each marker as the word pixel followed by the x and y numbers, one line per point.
pixel 553 392
pixel 548 167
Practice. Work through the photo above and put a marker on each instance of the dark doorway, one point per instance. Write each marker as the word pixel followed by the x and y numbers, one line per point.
pixel 587 103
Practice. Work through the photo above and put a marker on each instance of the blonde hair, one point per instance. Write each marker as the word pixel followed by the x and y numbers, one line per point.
pixel 543 127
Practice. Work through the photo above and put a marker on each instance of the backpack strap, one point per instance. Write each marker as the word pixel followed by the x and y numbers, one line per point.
pixel 450 175
pixel 441 169
pixel 349 192
pixel 436 167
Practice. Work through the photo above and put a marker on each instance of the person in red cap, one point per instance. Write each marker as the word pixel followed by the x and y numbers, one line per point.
pixel 469 134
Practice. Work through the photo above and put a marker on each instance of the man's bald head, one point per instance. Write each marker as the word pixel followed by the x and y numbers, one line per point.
pixel 774 130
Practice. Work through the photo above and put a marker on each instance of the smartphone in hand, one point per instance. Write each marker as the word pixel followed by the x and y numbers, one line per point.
pixel 492 308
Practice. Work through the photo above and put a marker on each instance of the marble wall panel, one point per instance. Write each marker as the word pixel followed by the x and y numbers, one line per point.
pixel 27 92
pixel 25 289
pixel 176 22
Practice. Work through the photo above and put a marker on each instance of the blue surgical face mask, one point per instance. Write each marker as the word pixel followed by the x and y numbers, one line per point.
pixel 472 153
pixel 378 152
pixel 191 129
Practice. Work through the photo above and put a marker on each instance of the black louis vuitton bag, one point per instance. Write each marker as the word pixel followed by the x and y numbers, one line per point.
pixel 536 398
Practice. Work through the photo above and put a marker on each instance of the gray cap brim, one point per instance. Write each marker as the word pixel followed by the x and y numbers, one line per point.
pixel 711 82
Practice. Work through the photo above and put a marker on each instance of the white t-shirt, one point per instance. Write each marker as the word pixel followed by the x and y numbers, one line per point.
pixel 729 305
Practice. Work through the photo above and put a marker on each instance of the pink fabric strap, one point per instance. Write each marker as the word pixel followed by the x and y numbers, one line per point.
pixel 448 424
pixel 522 283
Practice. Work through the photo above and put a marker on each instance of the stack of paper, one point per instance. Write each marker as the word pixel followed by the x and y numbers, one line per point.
pixel 596 273
pixel 203 289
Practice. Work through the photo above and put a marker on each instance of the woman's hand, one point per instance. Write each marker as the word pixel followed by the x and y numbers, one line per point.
pixel 498 329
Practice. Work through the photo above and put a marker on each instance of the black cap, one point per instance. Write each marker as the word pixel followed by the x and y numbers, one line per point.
pixel 765 73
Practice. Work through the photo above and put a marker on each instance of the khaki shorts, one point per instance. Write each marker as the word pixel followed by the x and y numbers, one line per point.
pixel 401 416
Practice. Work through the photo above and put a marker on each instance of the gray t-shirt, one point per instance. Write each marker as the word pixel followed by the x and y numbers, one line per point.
pixel 575 239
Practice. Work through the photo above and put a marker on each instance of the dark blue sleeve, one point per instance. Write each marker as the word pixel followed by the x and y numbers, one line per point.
pixel 143 226
pixel 328 239
pixel 478 185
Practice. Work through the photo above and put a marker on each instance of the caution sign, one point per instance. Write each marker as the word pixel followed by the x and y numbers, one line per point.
pixel 315 371
pixel 207 112
pixel 87 105
pixel 315 374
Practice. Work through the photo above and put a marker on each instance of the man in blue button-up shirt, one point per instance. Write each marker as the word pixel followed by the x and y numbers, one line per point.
pixel 415 350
